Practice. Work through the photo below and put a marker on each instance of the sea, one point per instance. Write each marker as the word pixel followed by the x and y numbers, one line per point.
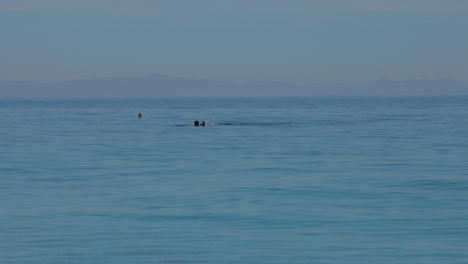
pixel 267 181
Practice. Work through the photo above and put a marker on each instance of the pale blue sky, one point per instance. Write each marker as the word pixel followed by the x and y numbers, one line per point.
pixel 240 41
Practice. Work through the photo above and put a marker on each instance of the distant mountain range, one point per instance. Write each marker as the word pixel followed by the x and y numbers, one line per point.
pixel 157 85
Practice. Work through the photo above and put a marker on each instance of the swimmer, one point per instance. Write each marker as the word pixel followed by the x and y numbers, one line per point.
pixel 196 123
pixel 203 123
pixel 140 115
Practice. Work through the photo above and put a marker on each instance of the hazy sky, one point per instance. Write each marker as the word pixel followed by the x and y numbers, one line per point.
pixel 234 40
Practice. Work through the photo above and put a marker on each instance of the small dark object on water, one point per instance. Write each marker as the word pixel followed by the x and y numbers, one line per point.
pixel 196 123
pixel 140 115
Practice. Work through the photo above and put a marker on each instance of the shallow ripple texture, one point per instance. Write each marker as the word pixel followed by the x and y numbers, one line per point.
pixel 292 180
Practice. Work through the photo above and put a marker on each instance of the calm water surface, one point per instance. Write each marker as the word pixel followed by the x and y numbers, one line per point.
pixel 296 180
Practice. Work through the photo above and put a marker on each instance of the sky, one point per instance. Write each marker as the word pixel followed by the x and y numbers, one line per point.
pixel 237 40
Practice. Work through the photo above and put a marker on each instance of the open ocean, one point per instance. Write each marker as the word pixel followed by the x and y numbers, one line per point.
pixel 275 180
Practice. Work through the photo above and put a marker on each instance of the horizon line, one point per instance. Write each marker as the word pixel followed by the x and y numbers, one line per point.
pixel 233 82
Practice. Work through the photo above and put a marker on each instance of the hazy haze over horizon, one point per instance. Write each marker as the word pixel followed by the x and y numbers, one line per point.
pixel 242 41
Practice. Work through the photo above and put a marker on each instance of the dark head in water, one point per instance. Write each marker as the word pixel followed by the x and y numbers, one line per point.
pixel 140 115
pixel 196 123
pixel 203 123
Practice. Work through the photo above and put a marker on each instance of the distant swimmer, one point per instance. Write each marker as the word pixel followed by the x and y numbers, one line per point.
pixel 196 123
pixel 203 123
pixel 140 115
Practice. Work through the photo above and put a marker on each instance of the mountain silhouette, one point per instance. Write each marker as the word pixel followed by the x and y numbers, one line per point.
pixel 161 86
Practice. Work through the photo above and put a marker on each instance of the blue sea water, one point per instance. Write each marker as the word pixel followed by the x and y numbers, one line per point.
pixel 276 180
